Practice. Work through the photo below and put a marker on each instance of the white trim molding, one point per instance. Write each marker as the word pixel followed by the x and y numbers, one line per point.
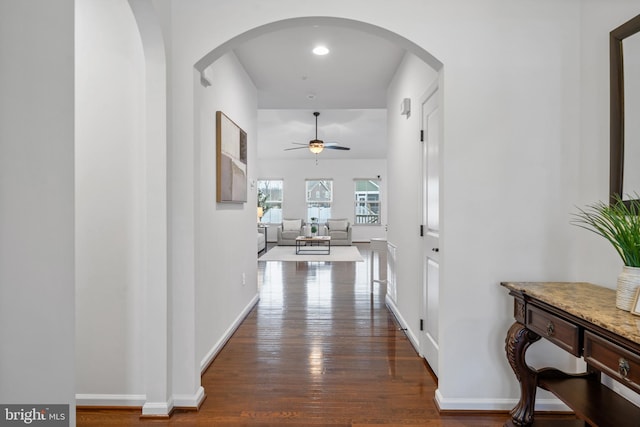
pixel 157 409
pixel 480 404
pixel 133 400
pixel 211 354
pixel 403 324
pixel 189 401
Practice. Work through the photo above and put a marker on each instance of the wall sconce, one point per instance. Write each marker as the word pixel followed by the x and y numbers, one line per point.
pixel 405 107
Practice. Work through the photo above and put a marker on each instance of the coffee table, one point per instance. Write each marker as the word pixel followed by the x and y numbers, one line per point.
pixel 314 245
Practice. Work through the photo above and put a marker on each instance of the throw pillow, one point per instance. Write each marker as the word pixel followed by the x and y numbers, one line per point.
pixel 291 224
pixel 337 224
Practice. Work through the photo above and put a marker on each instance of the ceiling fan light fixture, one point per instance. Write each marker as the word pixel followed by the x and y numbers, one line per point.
pixel 316 146
pixel 320 50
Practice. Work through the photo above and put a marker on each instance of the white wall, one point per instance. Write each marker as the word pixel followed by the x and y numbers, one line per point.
pixel 519 151
pixel 225 233
pixel 511 110
pixel 525 138
pixel 109 201
pixel 343 172
pixel 411 80
pixel 37 329
pixel 511 139
pixel 596 259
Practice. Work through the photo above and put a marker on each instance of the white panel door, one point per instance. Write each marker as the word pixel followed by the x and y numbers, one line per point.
pixel 429 342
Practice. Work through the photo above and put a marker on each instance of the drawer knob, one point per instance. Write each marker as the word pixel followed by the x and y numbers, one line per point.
pixel 623 367
pixel 550 329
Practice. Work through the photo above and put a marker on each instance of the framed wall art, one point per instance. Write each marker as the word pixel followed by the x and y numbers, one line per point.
pixel 635 307
pixel 231 161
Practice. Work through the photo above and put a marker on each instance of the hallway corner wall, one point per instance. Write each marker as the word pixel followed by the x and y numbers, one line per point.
pixel 226 256
pixel 511 112
pixel 110 211
pixel 37 307
pixel 413 77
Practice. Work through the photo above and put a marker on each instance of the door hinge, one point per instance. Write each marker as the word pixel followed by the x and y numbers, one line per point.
pixel 421 230
pixel 421 135
pixel 422 324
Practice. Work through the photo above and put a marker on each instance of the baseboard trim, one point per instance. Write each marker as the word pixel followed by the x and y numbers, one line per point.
pixel 403 324
pixel 472 404
pixel 164 409
pixel 211 354
pixel 184 401
pixel 111 400
pixel 157 409
pixel 494 405
pixel 138 401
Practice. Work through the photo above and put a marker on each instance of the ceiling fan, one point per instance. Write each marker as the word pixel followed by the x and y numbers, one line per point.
pixel 316 145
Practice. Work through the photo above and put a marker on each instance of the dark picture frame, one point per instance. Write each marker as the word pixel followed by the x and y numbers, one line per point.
pixel 617 108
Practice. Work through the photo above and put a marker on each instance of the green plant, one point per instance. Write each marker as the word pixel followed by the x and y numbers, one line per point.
pixel 262 201
pixel 618 222
pixel 314 228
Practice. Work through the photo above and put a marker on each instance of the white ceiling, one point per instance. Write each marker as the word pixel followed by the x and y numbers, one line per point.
pixel 362 130
pixel 348 87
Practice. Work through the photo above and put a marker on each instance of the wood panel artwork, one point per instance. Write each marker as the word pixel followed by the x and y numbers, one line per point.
pixel 231 161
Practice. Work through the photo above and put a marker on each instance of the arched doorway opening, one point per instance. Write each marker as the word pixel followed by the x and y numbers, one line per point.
pixel 205 77
pixel 182 357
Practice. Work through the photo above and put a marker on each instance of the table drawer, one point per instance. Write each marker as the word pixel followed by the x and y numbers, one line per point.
pixel 564 334
pixel 613 360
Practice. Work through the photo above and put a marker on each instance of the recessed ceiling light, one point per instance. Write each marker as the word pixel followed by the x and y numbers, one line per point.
pixel 320 50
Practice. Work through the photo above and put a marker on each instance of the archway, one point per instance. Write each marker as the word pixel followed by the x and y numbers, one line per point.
pixel 204 78
pixel 404 43
pixel 172 373
pixel 155 287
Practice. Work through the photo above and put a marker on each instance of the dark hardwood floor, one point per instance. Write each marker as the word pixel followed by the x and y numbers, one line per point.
pixel 318 349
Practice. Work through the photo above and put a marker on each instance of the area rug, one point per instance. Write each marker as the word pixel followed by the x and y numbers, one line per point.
pixel 288 253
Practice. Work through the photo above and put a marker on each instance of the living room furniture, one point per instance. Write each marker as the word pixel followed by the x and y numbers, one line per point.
pixel 314 245
pixel 289 230
pixel 339 230
pixel 582 319
pixel 262 239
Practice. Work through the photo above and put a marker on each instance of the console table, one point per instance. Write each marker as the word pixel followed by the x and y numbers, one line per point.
pixel 582 319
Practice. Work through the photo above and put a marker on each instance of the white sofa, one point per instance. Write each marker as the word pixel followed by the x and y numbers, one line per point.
pixel 339 230
pixel 289 230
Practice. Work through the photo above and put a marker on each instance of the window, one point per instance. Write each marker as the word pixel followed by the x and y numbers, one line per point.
pixel 319 198
pixel 270 193
pixel 367 201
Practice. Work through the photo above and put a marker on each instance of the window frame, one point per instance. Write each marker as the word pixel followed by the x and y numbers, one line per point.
pixel 280 202
pixel 357 202
pixel 328 205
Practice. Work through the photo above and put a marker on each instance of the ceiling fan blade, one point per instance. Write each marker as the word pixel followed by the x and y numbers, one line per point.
pixel 316 144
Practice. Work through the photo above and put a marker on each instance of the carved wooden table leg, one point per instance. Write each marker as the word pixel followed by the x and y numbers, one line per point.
pixel 519 338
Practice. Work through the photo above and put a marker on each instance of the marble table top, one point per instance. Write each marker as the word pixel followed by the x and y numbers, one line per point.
pixel 593 303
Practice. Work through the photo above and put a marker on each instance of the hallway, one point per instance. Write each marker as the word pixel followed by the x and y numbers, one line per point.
pixel 318 349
